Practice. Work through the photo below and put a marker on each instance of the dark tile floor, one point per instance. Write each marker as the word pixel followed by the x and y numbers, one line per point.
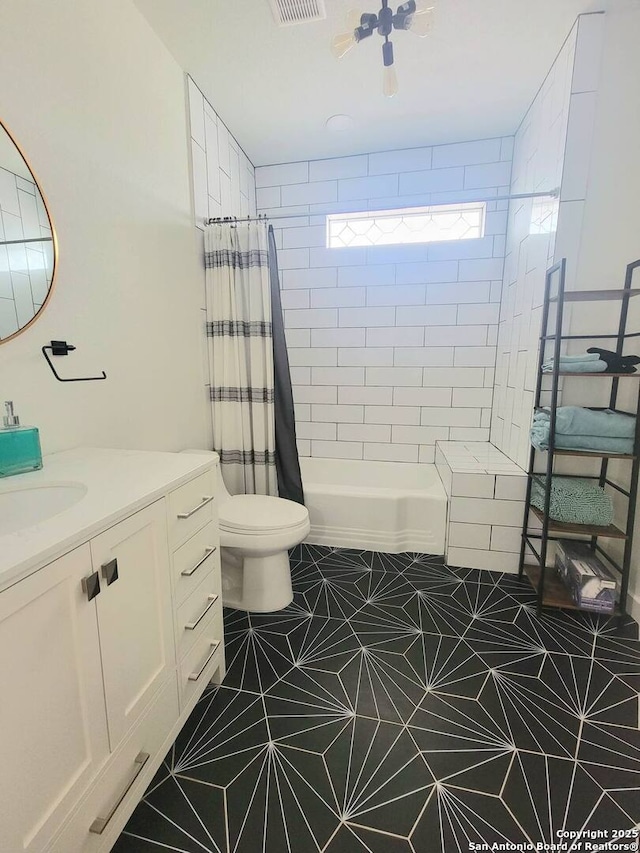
pixel 401 706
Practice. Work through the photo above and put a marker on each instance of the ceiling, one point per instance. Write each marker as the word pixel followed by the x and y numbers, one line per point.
pixel 472 78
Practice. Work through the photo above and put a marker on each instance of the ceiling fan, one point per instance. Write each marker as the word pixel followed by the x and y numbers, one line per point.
pixel 362 26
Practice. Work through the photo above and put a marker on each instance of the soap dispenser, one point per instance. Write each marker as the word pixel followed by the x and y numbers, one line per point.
pixel 19 446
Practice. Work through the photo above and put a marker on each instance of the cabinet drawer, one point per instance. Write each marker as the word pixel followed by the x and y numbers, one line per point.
pixel 191 507
pixel 193 560
pixel 110 802
pixel 202 660
pixel 204 603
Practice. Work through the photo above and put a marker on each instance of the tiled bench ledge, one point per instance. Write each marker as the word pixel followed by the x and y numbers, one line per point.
pixel 486 493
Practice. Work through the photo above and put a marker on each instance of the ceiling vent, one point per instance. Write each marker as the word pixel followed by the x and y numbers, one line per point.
pixel 289 12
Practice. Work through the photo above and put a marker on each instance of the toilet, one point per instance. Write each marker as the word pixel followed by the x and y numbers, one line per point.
pixel 256 533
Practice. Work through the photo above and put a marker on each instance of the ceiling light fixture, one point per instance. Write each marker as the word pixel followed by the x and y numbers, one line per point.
pixel 407 17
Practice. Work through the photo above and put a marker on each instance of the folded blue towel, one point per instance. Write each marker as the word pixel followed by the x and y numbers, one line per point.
pixel 583 356
pixel 616 430
pixel 597 366
pixel 575 420
pixel 595 443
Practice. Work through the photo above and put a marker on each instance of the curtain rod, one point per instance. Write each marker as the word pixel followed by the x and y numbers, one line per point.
pixel 30 240
pixel 262 217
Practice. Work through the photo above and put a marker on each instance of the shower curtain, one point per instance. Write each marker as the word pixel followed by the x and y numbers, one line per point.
pixel 240 353
pixel 257 453
pixel 287 461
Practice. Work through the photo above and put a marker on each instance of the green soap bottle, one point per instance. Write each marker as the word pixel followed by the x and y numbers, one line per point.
pixel 19 446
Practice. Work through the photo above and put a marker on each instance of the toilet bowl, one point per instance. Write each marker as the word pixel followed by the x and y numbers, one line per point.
pixel 256 533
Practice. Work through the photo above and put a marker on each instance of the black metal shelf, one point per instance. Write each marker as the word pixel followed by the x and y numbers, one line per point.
pixel 591 338
pixel 604 374
pixel 594 295
pixel 550 591
pixel 554 592
pixel 609 532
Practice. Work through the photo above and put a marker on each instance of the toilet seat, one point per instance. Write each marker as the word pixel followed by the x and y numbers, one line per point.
pixel 261 514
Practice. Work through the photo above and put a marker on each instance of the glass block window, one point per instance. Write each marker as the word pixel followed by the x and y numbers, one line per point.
pixel 406 225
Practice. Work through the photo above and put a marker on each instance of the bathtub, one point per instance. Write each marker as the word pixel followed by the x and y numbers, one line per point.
pixel 376 506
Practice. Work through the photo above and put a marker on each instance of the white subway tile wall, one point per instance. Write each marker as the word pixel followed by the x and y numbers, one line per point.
pixel 223 184
pixel 551 150
pixel 486 492
pixel 223 177
pixel 393 332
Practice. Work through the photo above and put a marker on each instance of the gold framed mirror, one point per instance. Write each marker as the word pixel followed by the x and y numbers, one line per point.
pixel 28 245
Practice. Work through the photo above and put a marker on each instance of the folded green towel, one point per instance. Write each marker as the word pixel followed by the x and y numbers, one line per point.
pixel 583 356
pixel 571 419
pixel 597 366
pixel 598 443
pixel 574 501
pixel 574 420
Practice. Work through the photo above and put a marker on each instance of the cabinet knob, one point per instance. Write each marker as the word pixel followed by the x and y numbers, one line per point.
pixel 110 571
pixel 91 585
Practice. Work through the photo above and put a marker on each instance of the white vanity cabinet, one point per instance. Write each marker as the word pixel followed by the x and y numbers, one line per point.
pixel 195 542
pixel 52 712
pixel 103 654
pixel 134 615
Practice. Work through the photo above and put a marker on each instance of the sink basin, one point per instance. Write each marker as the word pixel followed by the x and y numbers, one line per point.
pixel 29 505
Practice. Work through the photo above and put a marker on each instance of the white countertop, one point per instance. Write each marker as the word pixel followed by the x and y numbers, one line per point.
pixel 118 483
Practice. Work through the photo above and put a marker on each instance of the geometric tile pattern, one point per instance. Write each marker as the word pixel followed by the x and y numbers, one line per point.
pixel 402 706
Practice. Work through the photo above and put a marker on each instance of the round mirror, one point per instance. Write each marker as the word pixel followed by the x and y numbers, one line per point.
pixel 27 242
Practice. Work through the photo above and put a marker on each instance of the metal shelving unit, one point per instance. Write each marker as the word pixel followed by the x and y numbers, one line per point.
pixel 551 592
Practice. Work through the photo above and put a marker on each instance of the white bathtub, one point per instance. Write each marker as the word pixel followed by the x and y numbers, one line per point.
pixel 377 506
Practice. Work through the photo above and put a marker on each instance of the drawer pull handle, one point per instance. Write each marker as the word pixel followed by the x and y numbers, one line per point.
pixel 190 626
pixel 196 675
pixel 100 823
pixel 188 572
pixel 204 502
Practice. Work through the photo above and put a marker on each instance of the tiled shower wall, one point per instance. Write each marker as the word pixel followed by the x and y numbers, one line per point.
pixel 223 175
pixel 552 150
pixel 223 184
pixel 391 348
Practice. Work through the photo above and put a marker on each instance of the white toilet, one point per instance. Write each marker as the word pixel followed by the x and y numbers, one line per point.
pixel 256 533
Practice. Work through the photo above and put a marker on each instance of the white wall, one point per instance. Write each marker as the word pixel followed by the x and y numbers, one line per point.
pixel 98 105
pixel 608 235
pixel 538 161
pixel 597 232
pixel 391 347
pixel 224 182
pixel 611 222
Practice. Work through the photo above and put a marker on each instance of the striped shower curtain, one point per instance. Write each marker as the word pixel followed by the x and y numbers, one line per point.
pixel 240 351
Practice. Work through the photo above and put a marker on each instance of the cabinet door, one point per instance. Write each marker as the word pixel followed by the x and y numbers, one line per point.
pixel 52 715
pixel 134 615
